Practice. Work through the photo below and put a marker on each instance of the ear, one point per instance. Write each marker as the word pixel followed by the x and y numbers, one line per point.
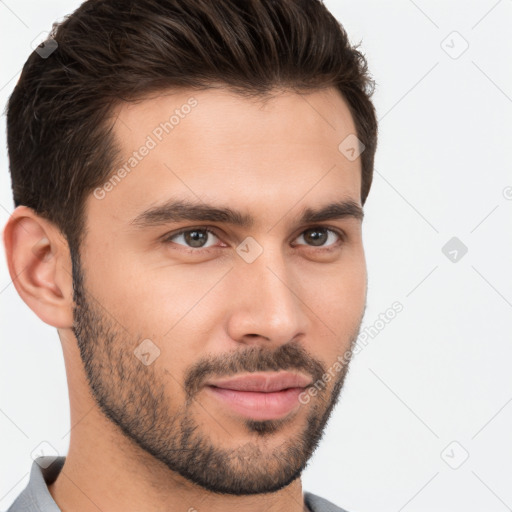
pixel 40 266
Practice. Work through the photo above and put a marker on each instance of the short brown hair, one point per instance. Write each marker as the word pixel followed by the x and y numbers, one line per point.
pixel 60 145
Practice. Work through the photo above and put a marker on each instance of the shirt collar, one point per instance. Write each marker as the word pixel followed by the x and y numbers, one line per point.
pixel 36 497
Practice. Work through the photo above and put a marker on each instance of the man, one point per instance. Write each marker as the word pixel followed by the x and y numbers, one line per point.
pixel 189 178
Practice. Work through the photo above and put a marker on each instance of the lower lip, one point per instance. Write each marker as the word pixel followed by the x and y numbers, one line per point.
pixel 259 406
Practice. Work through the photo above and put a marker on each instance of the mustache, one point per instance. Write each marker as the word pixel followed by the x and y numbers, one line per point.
pixel 290 356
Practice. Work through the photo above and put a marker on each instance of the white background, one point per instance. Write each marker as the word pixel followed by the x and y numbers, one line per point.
pixel 440 371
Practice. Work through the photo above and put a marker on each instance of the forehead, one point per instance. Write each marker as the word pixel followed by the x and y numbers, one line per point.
pixel 217 146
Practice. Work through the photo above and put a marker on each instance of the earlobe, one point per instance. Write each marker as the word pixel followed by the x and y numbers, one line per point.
pixel 40 266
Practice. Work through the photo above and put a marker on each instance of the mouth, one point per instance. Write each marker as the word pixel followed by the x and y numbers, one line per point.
pixel 260 396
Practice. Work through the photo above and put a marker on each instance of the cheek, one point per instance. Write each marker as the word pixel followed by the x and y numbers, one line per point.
pixel 170 306
pixel 336 300
pixel 339 289
pixel 170 301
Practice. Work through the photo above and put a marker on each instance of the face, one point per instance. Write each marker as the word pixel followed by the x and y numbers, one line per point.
pixel 213 256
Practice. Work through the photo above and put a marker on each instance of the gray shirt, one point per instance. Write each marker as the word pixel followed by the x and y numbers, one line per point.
pixel 36 497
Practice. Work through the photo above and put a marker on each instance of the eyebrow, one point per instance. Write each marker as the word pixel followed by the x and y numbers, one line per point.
pixel 183 210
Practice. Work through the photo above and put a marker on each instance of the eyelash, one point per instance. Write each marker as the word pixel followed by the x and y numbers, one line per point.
pixel 167 238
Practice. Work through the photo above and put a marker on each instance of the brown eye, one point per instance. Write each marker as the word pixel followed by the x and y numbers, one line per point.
pixel 319 236
pixel 195 238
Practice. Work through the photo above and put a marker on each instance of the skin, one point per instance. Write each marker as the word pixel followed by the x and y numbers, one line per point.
pixel 150 437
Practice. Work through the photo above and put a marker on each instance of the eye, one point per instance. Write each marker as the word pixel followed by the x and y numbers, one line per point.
pixel 199 238
pixel 318 236
pixel 195 238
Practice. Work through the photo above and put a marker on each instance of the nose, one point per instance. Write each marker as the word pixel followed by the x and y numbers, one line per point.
pixel 266 302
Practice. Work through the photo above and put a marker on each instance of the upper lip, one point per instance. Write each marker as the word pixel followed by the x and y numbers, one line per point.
pixel 263 382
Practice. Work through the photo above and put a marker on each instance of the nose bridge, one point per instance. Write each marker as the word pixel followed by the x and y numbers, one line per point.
pixel 266 300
